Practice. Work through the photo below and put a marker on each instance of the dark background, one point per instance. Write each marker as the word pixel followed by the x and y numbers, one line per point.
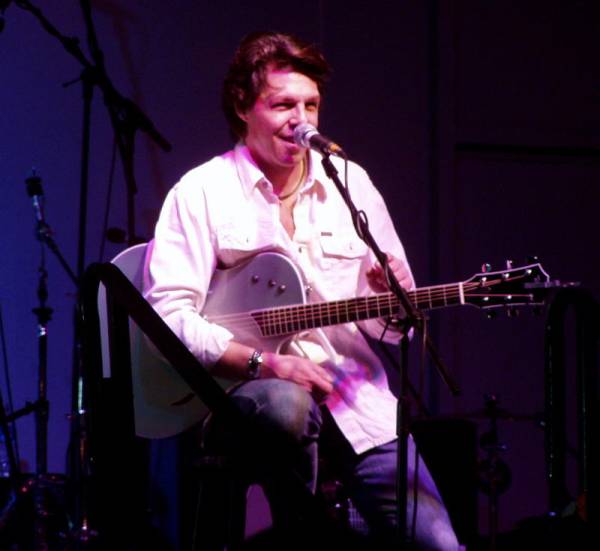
pixel 478 120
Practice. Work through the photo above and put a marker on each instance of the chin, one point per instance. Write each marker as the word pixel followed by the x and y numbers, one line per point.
pixel 297 157
pixel 290 161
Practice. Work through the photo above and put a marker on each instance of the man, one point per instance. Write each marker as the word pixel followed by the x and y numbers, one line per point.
pixel 270 194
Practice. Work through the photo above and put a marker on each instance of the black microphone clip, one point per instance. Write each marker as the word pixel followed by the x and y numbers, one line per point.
pixel 36 192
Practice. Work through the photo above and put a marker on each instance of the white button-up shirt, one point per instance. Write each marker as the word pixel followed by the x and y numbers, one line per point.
pixel 224 212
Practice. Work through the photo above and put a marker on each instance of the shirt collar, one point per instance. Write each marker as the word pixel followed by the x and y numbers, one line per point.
pixel 248 172
pixel 251 176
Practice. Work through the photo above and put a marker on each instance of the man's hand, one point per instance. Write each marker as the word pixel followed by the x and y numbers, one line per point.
pixel 311 376
pixel 377 280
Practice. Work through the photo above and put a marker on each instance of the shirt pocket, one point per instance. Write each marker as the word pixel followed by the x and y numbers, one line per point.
pixel 237 242
pixel 343 251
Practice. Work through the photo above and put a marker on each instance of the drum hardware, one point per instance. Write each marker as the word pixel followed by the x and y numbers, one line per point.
pixel 493 473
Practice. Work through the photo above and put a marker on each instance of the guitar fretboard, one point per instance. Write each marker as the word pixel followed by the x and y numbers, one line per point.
pixel 293 319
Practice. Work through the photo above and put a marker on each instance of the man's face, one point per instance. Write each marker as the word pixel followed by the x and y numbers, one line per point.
pixel 287 99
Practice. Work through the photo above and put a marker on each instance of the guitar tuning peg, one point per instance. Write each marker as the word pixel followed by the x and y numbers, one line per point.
pixel 491 314
pixel 486 267
pixel 532 259
pixel 512 312
pixel 509 264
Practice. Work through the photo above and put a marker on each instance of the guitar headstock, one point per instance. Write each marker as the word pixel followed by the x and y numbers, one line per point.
pixel 524 285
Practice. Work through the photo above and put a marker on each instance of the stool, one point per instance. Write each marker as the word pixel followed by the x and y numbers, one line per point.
pixel 220 518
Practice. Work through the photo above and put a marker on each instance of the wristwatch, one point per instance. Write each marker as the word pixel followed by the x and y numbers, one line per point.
pixel 254 364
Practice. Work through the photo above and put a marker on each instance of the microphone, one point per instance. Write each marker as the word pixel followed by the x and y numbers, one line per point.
pixel 36 192
pixel 306 135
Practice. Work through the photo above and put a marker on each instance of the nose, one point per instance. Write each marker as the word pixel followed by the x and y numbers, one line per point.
pixel 299 115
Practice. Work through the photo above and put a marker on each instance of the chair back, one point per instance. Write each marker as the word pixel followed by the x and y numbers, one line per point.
pixel 164 405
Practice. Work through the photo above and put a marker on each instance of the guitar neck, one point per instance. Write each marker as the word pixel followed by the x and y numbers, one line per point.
pixel 293 319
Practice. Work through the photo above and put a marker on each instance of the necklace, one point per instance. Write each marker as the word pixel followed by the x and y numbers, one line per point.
pixel 300 181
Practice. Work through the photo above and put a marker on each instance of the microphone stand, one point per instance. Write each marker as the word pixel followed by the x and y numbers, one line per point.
pixel 40 484
pixel 409 318
pixel 126 117
pixel 44 315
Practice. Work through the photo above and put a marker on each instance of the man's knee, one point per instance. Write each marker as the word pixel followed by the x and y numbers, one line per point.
pixel 282 406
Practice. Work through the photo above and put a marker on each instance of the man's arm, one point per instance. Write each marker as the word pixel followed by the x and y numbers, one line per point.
pixel 233 364
pixel 399 268
pixel 180 268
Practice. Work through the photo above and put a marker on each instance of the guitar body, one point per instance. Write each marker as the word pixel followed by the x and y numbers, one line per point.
pixel 268 280
pixel 163 403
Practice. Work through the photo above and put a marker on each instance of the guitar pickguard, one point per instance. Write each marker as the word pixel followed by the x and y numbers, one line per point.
pixel 268 280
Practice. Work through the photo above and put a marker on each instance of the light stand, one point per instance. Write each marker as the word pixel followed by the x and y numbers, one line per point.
pixel 409 318
pixel 126 117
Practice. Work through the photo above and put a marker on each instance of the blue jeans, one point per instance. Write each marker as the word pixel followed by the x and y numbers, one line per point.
pixel 284 408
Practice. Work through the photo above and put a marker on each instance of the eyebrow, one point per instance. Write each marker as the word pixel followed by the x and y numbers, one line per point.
pixel 287 97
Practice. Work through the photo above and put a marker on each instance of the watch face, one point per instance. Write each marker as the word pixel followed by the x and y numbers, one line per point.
pixel 254 364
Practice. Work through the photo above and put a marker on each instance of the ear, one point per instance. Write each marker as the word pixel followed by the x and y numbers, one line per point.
pixel 241 114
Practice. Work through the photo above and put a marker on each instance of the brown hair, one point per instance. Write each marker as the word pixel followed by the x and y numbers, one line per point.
pixel 247 72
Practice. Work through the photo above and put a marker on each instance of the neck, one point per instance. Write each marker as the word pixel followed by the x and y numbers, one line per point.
pixel 286 180
pixel 293 184
pixel 283 178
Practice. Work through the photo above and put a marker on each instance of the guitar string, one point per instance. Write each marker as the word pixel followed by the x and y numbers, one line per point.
pixel 354 305
pixel 284 317
pixel 279 323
